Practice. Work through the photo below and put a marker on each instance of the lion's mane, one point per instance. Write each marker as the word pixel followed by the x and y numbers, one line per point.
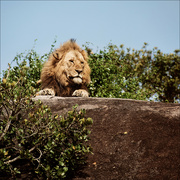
pixel 54 76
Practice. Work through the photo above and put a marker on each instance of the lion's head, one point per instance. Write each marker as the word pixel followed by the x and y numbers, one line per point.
pixel 67 69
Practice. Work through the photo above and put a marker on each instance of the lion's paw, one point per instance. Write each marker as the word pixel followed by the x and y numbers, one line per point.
pixel 80 93
pixel 46 91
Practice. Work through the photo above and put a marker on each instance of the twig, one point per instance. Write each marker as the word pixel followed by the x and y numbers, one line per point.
pixel 5 130
pixel 4 105
pixel 38 159
pixel 8 71
pixel 16 158
pixel 12 160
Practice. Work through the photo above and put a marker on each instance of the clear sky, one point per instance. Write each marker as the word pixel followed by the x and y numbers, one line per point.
pixel 99 22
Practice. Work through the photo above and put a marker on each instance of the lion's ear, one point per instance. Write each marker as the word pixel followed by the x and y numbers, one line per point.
pixel 57 56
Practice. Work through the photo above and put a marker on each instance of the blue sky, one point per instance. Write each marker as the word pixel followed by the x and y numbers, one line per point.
pixel 99 22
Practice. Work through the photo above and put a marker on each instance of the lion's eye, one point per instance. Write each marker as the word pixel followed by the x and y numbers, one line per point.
pixel 71 61
pixel 82 62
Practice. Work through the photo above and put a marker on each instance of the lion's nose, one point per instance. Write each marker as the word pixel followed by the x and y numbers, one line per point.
pixel 78 71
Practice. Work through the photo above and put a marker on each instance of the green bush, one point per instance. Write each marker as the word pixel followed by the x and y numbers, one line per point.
pixel 29 65
pixel 51 147
pixel 111 76
pixel 137 74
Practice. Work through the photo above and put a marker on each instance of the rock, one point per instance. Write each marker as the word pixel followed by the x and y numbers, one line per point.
pixel 131 139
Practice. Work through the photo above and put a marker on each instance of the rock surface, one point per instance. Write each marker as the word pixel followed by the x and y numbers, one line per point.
pixel 131 139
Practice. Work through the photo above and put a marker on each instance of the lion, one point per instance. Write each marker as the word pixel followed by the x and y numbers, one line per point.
pixel 66 73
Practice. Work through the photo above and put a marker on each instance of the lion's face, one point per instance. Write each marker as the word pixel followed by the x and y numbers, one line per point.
pixel 73 69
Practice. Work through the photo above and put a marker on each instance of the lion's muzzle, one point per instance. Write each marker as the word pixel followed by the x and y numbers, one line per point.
pixel 76 80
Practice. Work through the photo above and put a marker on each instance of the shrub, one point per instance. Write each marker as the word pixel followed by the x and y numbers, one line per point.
pixel 161 75
pixel 29 65
pixel 48 146
pixel 112 75
pixel 137 74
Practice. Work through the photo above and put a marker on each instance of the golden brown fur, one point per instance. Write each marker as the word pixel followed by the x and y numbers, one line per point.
pixel 66 73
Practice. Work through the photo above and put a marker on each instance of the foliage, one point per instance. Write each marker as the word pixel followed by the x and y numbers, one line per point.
pixel 108 79
pixel 51 147
pixel 29 65
pixel 136 74
pixel 162 76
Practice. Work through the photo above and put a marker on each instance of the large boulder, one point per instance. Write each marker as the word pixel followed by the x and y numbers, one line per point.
pixel 130 139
